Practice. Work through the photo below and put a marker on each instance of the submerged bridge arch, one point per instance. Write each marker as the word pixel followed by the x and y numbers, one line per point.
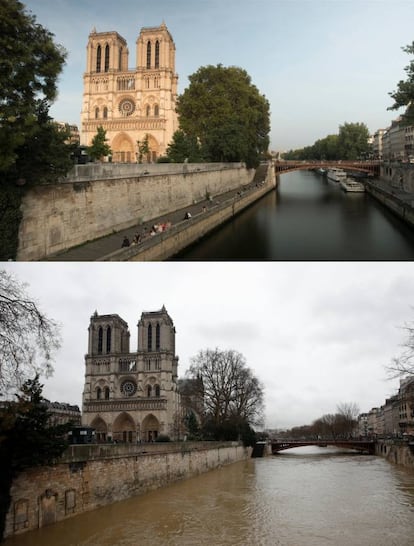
pixel 371 167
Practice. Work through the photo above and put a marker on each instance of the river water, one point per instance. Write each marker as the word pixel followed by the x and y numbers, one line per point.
pixel 302 497
pixel 309 218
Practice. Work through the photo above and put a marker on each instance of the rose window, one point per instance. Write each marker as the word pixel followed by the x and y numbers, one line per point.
pixel 128 388
pixel 126 107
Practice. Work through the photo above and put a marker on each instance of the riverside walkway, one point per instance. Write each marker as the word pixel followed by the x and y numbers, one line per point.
pixel 99 249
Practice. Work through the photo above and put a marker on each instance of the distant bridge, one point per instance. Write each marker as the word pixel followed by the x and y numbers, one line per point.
pixel 371 167
pixel 364 446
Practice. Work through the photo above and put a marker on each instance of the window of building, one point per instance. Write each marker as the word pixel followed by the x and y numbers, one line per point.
pixel 100 339
pixel 106 58
pixel 98 58
pixel 98 393
pixel 148 111
pixel 96 113
pixel 157 54
pixel 106 393
pixel 149 340
pixel 105 113
pixel 157 337
pixel 157 391
pixel 149 55
pixel 108 339
pixel 120 59
pixel 149 391
pixel 148 365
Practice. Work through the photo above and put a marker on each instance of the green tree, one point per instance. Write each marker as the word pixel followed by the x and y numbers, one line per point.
pixel 33 151
pixel 29 66
pixel 192 426
pixel 404 95
pixel 143 149
pixel 26 439
pixel 226 114
pixel 353 141
pixel 99 147
pixel 184 147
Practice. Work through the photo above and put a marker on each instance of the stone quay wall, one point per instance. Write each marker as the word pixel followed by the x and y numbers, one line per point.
pixel 99 199
pixel 180 236
pixel 395 451
pixel 95 476
pixel 401 207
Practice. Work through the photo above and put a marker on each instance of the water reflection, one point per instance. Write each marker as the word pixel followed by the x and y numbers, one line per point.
pixel 309 218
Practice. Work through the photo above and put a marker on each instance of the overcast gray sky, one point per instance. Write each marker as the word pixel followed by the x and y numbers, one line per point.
pixel 315 334
pixel 320 63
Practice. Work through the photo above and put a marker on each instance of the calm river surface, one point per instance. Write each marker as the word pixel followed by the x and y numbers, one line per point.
pixel 309 218
pixel 303 497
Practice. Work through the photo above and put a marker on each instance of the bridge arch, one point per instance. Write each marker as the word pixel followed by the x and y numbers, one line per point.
pixel 371 167
pixel 362 446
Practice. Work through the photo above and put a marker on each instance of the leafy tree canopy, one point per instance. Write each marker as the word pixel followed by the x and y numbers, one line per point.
pixel 226 114
pixel 353 140
pixel 99 147
pixel 350 143
pixel 184 147
pixel 404 94
pixel 29 66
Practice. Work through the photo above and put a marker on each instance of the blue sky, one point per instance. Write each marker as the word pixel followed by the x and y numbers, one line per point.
pixel 320 63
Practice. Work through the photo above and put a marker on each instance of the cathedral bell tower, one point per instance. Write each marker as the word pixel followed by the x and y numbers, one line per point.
pixel 131 396
pixel 132 105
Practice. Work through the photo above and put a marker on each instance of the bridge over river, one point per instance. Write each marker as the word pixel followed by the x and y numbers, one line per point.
pixel 371 167
pixel 363 446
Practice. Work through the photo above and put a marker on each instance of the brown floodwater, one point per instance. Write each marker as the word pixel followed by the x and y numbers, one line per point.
pixel 303 497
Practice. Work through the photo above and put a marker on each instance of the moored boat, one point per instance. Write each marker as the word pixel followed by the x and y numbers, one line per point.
pixel 348 184
pixel 336 174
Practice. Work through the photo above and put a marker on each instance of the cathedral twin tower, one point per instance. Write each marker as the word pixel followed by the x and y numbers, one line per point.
pixel 131 105
pixel 131 396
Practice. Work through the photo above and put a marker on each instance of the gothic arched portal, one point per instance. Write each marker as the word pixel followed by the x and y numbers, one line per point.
pixel 101 429
pixel 150 428
pixel 124 429
pixel 123 149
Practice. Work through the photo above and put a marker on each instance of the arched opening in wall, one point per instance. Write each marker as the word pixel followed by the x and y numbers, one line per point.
pixel 154 149
pixel 123 150
pixel 150 428
pixel 124 429
pixel 101 429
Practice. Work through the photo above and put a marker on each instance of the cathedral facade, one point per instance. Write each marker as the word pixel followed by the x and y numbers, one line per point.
pixel 132 105
pixel 131 396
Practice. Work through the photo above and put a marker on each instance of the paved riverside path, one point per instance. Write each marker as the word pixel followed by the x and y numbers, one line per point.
pixel 397 193
pixel 99 248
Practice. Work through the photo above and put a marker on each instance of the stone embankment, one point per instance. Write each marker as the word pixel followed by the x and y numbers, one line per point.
pixel 396 451
pixel 395 189
pixel 96 203
pixel 89 477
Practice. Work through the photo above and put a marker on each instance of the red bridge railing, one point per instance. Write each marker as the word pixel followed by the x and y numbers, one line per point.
pixel 371 166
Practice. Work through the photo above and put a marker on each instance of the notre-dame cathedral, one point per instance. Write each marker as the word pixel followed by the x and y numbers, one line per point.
pixel 132 105
pixel 131 396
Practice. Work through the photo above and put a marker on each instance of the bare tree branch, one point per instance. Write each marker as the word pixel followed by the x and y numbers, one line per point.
pixel 28 339
pixel 403 365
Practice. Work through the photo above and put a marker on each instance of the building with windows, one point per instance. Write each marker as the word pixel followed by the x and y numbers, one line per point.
pixel 131 396
pixel 132 105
